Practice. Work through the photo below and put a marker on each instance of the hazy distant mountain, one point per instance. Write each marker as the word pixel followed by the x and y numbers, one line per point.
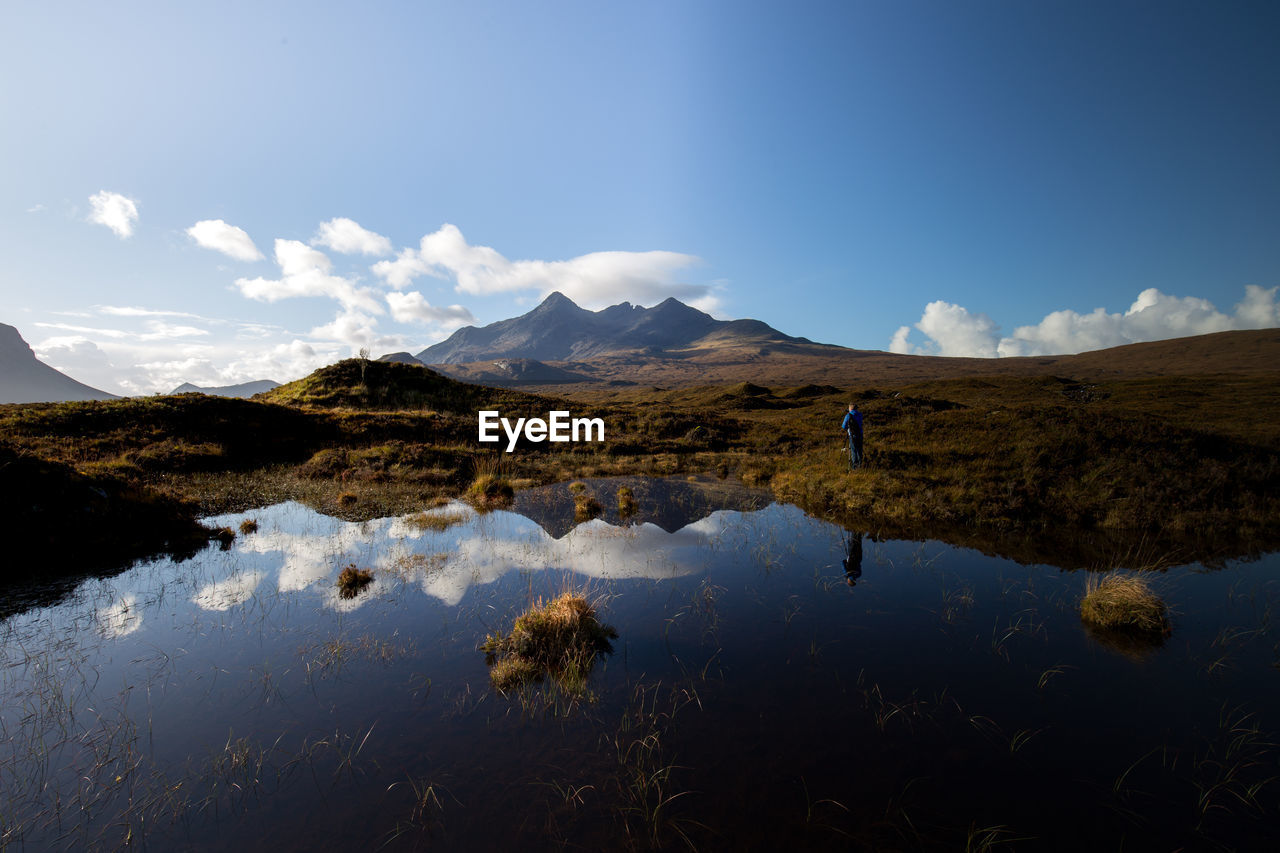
pixel 244 389
pixel 559 330
pixel 400 358
pixel 26 379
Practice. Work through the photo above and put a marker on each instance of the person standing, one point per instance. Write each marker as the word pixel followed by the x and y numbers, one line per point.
pixel 852 425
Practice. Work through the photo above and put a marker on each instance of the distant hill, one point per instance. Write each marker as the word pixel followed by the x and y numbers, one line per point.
pixel 387 385
pixel 401 358
pixel 26 379
pixel 244 389
pixel 559 330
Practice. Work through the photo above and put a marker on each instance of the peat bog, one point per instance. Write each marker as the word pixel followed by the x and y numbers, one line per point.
pixel 776 681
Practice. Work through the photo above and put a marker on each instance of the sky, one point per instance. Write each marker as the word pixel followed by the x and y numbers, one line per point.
pixel 216 193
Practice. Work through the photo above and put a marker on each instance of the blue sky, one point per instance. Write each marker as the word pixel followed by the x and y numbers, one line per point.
pixel 962 178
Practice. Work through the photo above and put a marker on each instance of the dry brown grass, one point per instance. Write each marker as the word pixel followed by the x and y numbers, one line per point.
pixel 1124 603
pixel 561 637
pixel 436 521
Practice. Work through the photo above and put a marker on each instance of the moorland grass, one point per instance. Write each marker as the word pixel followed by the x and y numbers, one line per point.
pixel 1124 604
pixel 561 638
pixel 1001 461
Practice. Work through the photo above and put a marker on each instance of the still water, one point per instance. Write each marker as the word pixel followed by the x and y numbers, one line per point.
pixel 778 682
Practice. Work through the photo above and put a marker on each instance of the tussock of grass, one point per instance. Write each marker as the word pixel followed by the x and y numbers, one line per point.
pixel 352 581
pixel 561 638
pixel 585 506
pixel 249 525
pixel 626 501
pixel 489 490
pixel 1126 604
pixel 492 484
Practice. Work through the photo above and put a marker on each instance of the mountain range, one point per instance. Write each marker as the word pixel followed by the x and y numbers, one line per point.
pixel 673 345
pixel 26 379
pixel 244 389
pixel 560 330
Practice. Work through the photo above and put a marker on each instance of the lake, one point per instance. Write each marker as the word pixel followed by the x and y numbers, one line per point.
pixel 777 681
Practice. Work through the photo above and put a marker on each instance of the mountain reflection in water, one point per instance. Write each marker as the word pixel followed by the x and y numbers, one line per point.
pixel 676 525
pixel 236 700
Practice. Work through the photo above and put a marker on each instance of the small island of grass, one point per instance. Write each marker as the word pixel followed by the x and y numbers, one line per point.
pixel 1125 604
pixel 561 638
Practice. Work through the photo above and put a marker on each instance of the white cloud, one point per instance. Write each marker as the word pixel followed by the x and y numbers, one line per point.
pixel 353 328
pixel 130 311
pixel 228 239
pixel 953 331
pixel 307 272
pixel 401 272
pixel 157 359
pixel 115 211
pixel 122 618
pixel 346 236
pixel 899 343
pixel 1259 308
pixel 232 592
pixel 413 307
pixel 156 330
pixel 594 280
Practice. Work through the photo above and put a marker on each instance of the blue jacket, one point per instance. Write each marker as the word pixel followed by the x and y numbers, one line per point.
pixel 852 422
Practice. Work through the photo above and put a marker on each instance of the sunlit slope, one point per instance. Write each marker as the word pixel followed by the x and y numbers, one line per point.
pixel 390 386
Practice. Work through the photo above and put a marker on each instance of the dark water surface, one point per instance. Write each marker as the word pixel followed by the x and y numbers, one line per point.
pixel 778 682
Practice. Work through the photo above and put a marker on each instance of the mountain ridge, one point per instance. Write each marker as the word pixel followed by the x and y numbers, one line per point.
pixel 558 329
pixel 26 379
pixel 241 389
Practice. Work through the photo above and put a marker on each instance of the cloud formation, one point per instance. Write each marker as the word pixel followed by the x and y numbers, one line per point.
pixel 143 355
pixel 116 211
pixel 346 236
pixel 228 239
pixel 133 311
pixel 413 307
pixel 594 280
pixel 307 272
pixel 952 330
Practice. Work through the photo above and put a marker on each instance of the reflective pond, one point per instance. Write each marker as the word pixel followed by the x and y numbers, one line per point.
pixel 777 682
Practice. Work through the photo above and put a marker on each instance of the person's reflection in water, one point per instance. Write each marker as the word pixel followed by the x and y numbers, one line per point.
pixel 853 562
